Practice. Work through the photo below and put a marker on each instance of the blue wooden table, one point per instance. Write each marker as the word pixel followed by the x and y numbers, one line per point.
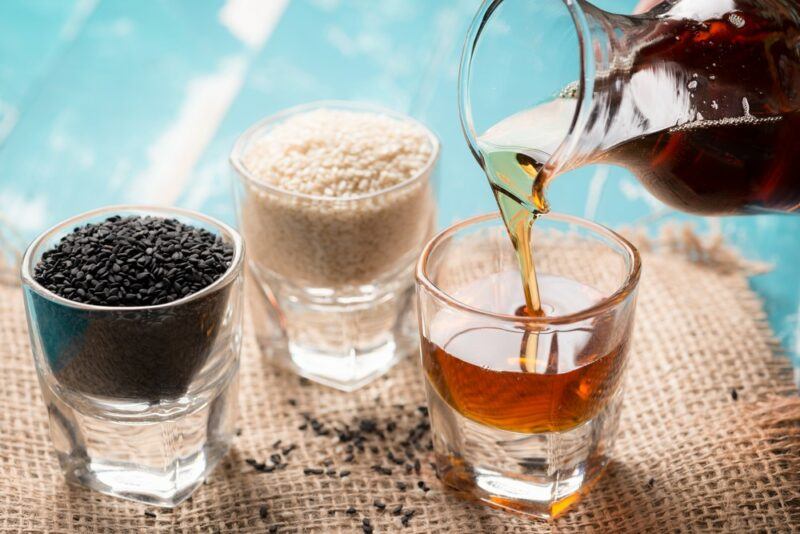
pixel 109 101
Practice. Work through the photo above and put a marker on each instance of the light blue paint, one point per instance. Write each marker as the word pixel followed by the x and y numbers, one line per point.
pixel 93 99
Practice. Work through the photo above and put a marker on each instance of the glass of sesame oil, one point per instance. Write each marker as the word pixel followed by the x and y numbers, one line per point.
pixel 134 315
pixel 524 406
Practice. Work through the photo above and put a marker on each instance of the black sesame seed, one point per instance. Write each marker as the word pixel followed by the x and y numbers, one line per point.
pixel 344 473
pixel 149 356
pixel 350 511
pixel 734 394
pixel 273 529
pixel 397 510
pixel 382 470
pixel 379 504
pixel 366 522
pixel 263 511
pixel 402 486
pixel 71 271
pixel 312 471
pixel 150 514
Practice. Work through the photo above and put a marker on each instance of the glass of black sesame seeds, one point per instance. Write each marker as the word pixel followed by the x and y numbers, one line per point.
pixel 135 319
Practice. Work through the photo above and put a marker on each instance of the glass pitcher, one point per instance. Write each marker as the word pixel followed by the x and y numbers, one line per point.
pixel 698 98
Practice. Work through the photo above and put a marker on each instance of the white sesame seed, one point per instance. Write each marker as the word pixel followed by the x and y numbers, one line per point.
pixel 344 155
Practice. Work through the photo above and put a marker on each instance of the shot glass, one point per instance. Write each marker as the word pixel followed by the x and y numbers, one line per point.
pixel 142 400
pixel 524 409
pixel 330 278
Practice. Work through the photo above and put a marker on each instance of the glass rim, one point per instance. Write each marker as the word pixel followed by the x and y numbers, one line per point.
pixel 237 162
pixel 161 211
pixel 630 252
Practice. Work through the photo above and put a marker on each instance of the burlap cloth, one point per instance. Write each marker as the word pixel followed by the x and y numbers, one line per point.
pixel 689 457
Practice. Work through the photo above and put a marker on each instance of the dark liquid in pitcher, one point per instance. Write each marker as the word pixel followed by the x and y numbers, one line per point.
pixel 732 87
pixel 742 75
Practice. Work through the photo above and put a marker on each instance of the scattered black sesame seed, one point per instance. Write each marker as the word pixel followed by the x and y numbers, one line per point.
pixel 292 402
pixel 423 410
pixel 238 432
pixel 288 449
pixel 344 473
pixel 424 487
pixel 263 511
pixel 734 394
pixel 331 472
pixel 302 427
pixel 332 512
pixel 275 458
pixel 380 505
pixel 273 529
pixel 312 471
pixel 350 511
pixel 651 483
pixel 276 444
pixel 397 510
pixel 150 514
pixel 367 425
pixel 402 486
pixel 382 470
pixel 417 467
pixel 349 458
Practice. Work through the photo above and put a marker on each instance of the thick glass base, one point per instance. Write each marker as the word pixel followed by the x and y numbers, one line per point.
pixel 541 475
pixel 156 454
pixel 343 340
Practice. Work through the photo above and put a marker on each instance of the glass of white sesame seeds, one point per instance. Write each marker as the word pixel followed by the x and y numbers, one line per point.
pixel 335 200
